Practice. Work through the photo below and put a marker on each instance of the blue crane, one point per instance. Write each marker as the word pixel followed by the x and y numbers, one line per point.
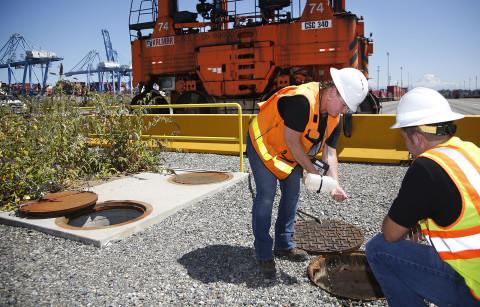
pixel 11 59
pixel 87 66
pixel 112 55
pixel 91 64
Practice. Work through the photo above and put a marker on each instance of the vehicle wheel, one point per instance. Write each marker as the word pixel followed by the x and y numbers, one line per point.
pixel 154 98
pixel 268 94
pixel 194 98
pixel 370 105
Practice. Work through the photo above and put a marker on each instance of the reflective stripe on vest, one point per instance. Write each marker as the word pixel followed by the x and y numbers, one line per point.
pixel 258 137
pixel 458 244
pixel 468 169
pixel 284 167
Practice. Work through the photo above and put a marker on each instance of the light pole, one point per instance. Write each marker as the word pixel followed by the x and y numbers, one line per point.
pixel 378 78
pixel 401 76
pixel 388 68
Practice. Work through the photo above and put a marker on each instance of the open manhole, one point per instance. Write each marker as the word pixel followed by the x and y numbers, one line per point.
pixel 346 276
pixel 327 236
pixel 194 178
pixel 61 203
pixel 108 214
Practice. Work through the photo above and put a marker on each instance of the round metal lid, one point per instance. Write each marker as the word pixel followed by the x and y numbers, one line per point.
pixel 329 236
pixel 346 276
pixel 60 203
pixel 194 178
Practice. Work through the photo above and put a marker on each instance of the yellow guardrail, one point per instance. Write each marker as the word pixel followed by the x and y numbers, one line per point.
pixel 165 130
pixel 372 139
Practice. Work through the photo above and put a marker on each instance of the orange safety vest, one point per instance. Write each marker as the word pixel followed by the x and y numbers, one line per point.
pixel 458 244
pixel 267 129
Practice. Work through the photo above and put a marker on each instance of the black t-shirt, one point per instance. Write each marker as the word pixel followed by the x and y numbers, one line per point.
pixel 295 111
pixel 426 191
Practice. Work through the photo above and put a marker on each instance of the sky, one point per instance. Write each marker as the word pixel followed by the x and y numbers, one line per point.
pixel 433 43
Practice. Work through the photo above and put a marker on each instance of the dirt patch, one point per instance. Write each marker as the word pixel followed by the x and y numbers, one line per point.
pixel 86 184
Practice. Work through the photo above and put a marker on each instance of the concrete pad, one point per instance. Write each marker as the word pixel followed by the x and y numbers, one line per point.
pixel 165 197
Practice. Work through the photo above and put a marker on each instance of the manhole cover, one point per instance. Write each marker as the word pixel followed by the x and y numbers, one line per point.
pixel 107 214
pixel 329 236
pixel 346 276
pixel 55 204
pixel 200 178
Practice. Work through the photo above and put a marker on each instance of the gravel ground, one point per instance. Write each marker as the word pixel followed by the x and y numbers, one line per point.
pixel 202 255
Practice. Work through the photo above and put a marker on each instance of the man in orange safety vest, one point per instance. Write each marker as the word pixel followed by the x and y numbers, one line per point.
pixel 292 126
pixel 441 193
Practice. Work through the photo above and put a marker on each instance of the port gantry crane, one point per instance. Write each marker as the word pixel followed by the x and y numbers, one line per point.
pixel 112 55
pixel 91 63
pixel 11 59
pixel 86 66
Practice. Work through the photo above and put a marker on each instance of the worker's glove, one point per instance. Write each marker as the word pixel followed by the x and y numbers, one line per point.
pixel 338 194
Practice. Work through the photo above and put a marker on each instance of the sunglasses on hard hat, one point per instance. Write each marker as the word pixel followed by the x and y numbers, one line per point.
pixel 346 108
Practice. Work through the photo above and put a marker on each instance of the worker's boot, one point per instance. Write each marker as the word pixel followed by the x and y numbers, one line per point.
pixel 293 254
pixel 267 267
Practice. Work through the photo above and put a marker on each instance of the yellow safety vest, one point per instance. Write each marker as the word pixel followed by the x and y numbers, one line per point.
pixel 458 244
pixel 267 129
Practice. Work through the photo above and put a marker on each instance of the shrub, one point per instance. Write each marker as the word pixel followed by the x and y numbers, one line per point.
pixel 51 147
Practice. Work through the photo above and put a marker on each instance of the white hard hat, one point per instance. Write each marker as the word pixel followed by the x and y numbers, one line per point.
pixel 423 106
pixel 351 84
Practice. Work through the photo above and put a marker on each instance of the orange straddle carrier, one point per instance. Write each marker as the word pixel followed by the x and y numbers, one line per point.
pixel 218 54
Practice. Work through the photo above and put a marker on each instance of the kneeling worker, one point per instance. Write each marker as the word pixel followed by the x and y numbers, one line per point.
pixel 292 126
pixel 441 192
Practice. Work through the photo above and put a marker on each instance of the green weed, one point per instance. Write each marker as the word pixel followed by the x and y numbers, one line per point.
pixel 55 145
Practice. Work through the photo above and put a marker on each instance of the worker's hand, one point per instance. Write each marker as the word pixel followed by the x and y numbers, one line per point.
pixel 415 234
pixel 338 194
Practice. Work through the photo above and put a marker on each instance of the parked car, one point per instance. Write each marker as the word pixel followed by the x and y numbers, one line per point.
pixel 16 105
